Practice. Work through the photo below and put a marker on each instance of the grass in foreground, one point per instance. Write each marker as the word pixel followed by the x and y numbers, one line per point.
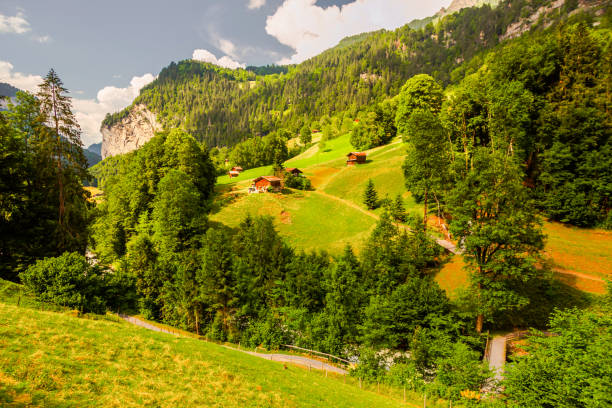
pixel 54 359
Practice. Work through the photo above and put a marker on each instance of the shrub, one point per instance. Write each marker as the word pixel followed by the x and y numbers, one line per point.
pixel 68 280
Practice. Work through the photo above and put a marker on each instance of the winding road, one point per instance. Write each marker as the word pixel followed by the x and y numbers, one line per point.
pixel 281 358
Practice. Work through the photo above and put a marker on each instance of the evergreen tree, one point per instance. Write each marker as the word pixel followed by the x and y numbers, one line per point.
pixel 71 164
pixel 370 197
pixel 397 210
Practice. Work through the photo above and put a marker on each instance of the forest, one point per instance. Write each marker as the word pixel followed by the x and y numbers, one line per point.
pixel 517 132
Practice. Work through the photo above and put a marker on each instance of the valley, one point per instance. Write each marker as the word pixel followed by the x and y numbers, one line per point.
pixel 420 205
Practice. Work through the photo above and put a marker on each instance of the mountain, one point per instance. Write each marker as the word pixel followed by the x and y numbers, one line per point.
pixel 96 148
pixel 93 158
pixel 8 91
pixel 222 107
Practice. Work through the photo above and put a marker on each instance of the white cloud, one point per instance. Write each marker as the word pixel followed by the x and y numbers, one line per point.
pixel 207 56
pixel 227 47
pixel 89 112
pixel 42 39
pixel 16 24
pixel 255 4
pixel 310 29
pixel 17 79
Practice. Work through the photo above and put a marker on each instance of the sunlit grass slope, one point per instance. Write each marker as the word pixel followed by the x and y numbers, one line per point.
pixel 58 360
pixel 312 222
pixel 306 219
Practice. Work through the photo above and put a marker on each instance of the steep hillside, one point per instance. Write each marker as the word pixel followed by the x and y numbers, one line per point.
pixel 221 107
pixel 56 359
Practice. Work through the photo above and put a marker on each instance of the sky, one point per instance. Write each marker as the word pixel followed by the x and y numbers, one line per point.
pixel 105 51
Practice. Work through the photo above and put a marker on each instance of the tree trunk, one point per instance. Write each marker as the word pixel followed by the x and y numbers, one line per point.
pixel 60 180
pixel 425 212
pixel 197 322
pixel 480 317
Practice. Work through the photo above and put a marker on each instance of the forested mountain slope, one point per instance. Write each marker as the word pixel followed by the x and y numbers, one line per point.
pixel 221 106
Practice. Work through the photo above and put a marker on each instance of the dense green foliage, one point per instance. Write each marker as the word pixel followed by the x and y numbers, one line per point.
pixel 570 367
pixel 43 207
pixel 545 101
pixel 69 280
pixel 156 189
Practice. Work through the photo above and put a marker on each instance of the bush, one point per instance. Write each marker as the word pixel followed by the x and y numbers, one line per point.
pixel 68 280
pixel 297 182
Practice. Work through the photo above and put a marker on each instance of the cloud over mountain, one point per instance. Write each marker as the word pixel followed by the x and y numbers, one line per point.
pixel 310 29
pixel 225 61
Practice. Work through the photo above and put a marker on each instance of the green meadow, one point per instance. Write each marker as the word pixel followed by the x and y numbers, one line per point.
pixel 61 359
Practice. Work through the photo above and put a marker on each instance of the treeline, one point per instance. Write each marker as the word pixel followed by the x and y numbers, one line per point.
pixel 222 107
pixel 43 206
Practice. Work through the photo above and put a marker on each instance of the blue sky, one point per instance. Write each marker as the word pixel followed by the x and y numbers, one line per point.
pixel 105 51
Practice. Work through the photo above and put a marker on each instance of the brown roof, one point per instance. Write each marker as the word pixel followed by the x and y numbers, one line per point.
pixel 269 178
pixel 358 154
pixel 292 169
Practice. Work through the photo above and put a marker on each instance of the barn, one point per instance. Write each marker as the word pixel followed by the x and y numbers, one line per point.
pixel 355 158
pixel 294 171
pixel 263 184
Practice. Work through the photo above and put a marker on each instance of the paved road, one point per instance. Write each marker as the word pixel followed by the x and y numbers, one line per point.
pixel 138 322
pixel 288 358
pixel 283 358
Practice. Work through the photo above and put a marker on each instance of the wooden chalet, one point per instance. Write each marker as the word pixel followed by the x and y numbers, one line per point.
pixel 355 158
pixel 233 173
pixel 264 184
pixel 237 168
pixel 293 170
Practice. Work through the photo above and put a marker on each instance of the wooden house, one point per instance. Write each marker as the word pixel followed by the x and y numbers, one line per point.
pixel 233 173
pixel 237 168
pixel 264 184
pixel 355 158
pixel 294 171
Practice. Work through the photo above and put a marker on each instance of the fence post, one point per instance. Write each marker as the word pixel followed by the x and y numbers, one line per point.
pixel 378 387
pixel 359 382
pixel 425 400
pixel 404 392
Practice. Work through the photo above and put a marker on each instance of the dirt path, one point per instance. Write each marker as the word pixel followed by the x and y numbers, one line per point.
pixel 579 275
pixel 283 358
pixel 442 242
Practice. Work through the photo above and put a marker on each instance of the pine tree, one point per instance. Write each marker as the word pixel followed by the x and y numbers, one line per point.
pixel 397 210
pixel 71 164
pixel 370 197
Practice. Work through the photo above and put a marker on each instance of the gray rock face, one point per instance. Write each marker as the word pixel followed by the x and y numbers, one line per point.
pixel 130 133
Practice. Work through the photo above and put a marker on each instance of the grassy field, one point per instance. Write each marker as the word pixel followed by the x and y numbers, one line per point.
pixel 308 220
pixel 312 221
pixel 58 359
pixel 587 251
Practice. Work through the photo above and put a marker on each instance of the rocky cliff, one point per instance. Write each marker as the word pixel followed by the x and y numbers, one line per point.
pixel 130 133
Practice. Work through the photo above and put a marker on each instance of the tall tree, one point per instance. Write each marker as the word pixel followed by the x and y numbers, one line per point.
pixel 71 164
pixel 426 168
pixel 496 223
